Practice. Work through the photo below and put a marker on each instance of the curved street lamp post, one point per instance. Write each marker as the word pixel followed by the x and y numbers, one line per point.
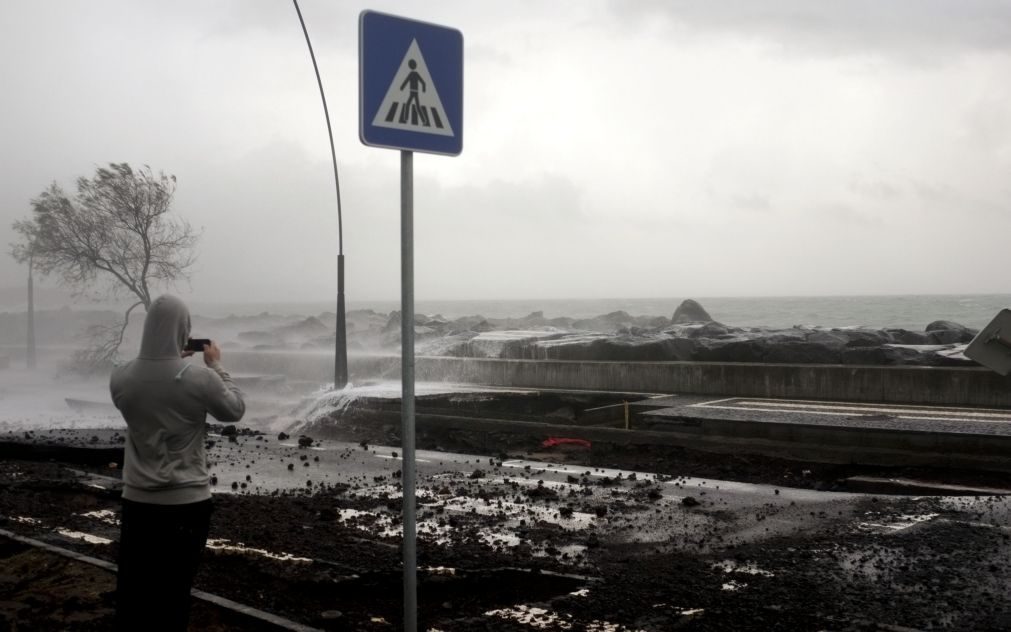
pixel 341 346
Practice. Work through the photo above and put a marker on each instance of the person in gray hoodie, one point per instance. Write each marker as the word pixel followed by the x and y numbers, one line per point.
pixel 165 400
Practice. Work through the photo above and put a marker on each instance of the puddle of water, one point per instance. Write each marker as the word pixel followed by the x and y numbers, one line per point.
pixel 381 525
pixel 538 618
pixel 731 566
pixel 899 523
pixel 734 585
pixel 87 537
pixel 103 515
pixel 572 550
pixel 26 520
pixel 393 492
pixel 604 626
pixel 224 545
pixel 515 511
pixel 499 538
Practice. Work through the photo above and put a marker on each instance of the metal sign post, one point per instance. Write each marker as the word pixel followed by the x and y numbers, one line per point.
pixel 411 99
pixel 408 472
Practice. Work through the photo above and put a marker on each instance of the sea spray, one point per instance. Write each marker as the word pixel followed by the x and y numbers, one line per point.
pixel 325 402
pixel 329 406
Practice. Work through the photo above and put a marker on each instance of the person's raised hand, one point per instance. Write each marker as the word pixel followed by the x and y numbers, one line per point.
pixel 212 353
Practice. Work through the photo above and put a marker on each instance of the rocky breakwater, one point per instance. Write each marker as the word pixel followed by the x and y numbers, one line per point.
pixel 692 335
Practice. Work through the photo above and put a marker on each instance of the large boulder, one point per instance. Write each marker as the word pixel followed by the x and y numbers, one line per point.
pixel 945 332
pixel 533 319
pixel 739 350
pixel 905 337
pixel 689 311
pixel 802 353
pixel 833 338
pixel 865 338
pixel 711 329
pixel 939 325
pixel 620 349
pixel 610 323
pixel 887 354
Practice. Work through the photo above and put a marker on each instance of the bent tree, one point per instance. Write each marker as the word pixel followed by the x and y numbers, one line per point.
pixel 115 235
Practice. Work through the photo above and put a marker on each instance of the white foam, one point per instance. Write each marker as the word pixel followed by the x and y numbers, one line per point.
pixel 102 515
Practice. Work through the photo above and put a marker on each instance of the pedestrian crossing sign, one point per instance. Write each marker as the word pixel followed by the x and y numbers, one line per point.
pixel 411 84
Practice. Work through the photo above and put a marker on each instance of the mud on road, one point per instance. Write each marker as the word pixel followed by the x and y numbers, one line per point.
pixel 509 543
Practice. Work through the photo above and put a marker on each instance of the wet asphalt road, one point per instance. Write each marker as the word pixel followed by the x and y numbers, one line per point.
pixel 640 507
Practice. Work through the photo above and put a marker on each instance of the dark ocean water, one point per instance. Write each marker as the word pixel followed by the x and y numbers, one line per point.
pixel 909 312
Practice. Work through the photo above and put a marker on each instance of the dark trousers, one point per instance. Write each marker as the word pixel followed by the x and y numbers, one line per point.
pixel 159 550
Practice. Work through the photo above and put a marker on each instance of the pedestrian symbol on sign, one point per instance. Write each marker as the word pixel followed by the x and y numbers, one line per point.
pixel 412 101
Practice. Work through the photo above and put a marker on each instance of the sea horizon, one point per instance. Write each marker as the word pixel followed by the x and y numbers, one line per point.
pixel 878 311
pixel 907 311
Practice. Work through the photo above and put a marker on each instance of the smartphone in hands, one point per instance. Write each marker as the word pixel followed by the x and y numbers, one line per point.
pixel 196 345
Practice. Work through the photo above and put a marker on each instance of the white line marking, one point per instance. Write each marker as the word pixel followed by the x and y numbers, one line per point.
pixel 845 404
pixel 821 412
pixel 1004 415
pixel 715 401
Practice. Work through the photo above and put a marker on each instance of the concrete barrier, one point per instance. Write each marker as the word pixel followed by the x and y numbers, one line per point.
pixel 949 386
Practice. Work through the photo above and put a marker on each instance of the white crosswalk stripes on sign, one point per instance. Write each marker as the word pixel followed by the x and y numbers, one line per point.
pixel 412 101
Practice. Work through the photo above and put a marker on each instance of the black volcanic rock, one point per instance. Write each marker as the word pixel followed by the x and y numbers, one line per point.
pixel 880 355
pixel 905 337
pixel 484 325
pixel 740 350
pixel 609 323
pixel 945 332
pixel 689 311
pixel 618 349
pixel 802 353
pixel 939 325
pixel 711 329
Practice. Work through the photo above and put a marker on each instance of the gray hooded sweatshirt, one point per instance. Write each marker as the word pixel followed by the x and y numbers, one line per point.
pixel 165 400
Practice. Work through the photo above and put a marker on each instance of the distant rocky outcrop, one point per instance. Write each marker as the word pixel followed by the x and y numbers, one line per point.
pixel 690 311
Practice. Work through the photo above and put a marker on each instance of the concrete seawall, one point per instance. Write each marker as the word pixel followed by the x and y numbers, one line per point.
pixel 896 384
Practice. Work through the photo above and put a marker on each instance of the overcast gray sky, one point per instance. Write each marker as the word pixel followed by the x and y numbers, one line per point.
pixel 611 149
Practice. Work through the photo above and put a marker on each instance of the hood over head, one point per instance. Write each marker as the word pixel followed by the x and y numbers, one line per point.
pixel 166 329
